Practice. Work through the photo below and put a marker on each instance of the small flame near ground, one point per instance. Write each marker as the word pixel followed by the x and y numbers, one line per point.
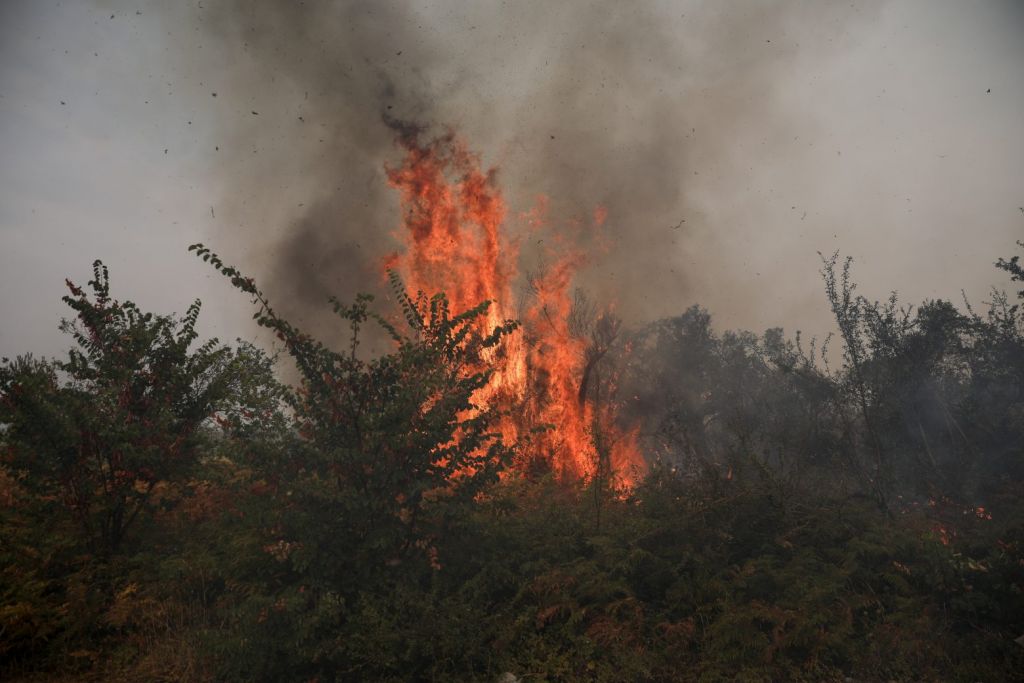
pixel 454 237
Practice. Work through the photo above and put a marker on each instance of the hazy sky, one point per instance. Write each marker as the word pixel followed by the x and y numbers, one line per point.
pixel 730 142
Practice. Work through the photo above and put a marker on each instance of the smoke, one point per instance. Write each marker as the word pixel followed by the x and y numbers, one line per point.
pixel 650 110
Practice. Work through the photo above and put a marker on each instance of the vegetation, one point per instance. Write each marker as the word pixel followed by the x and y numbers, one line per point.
pixel 173 511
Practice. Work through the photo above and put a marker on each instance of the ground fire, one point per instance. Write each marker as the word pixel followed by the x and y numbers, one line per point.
pixel 453 231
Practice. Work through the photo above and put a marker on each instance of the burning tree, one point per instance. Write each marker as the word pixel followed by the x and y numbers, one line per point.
pixel 453 231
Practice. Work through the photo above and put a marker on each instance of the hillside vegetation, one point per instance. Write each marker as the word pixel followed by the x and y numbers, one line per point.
pixel 853 507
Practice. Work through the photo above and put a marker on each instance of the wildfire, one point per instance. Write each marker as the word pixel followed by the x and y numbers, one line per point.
pixel 453 232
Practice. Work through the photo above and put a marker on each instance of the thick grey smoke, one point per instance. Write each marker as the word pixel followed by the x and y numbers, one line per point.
pixel 730 142
pixel 683 119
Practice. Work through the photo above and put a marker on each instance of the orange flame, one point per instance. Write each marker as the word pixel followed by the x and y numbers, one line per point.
pixel 452 229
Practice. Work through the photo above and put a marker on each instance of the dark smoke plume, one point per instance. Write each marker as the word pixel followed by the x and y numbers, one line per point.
pixel 636 107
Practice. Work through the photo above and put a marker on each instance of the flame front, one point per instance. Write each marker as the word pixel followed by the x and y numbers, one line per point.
pixel 453 216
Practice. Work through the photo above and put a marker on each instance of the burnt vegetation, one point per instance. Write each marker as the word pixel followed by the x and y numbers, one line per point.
pixel 852 507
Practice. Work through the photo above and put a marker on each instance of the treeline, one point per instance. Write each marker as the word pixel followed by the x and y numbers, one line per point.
pixel 171 510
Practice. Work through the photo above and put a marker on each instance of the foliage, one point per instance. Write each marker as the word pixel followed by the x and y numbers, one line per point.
pixel 385 453
pixel 173 511
pixel 1013 267
pixel 95 447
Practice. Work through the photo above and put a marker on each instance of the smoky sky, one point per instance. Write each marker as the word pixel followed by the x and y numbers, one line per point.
pixel 679 118
pixel 729 142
